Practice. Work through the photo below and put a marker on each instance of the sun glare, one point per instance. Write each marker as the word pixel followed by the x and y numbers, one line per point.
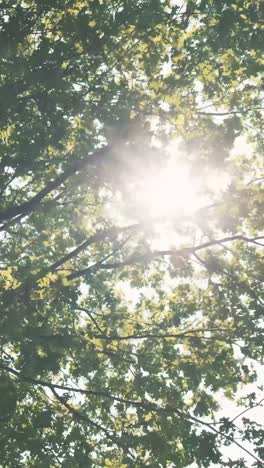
pixel 170 193
pixel 158 194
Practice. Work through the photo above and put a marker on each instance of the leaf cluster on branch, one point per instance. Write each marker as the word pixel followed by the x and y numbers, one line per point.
pixel 115 352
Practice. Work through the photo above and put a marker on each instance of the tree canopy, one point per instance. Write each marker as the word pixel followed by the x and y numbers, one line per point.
pixel 118 347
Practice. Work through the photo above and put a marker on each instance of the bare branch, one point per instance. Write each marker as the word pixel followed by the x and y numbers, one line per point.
pixel 247 409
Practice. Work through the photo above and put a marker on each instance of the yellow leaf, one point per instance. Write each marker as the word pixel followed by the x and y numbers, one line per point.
pixel 208 72
pixel 9 282
pixel 65 282
pixel 62 273
pixel 43 282
pixel 92 23
pixel 6 274
pixel 142 47
pixel 172 100
pixel 5 134
pixel 180 43
pixel 41 353
pixel 107 462
pixel 178 58
pixel 180 121
pixel 97 342
pixel 131 28
pixel 15 284
pixel 38 294
pixel 148 417
pixel 52 277
pixel 155 84
pixel 156 39
pixel 78 46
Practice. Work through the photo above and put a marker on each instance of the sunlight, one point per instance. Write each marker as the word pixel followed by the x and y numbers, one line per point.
pixel 169 193
pixel 160 193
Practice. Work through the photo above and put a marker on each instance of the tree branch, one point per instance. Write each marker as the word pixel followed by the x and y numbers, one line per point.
pixel 81 417
pixel 185 251
pixel 247 409
pixel 97 237
pixel 33 203
pixel 139 404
